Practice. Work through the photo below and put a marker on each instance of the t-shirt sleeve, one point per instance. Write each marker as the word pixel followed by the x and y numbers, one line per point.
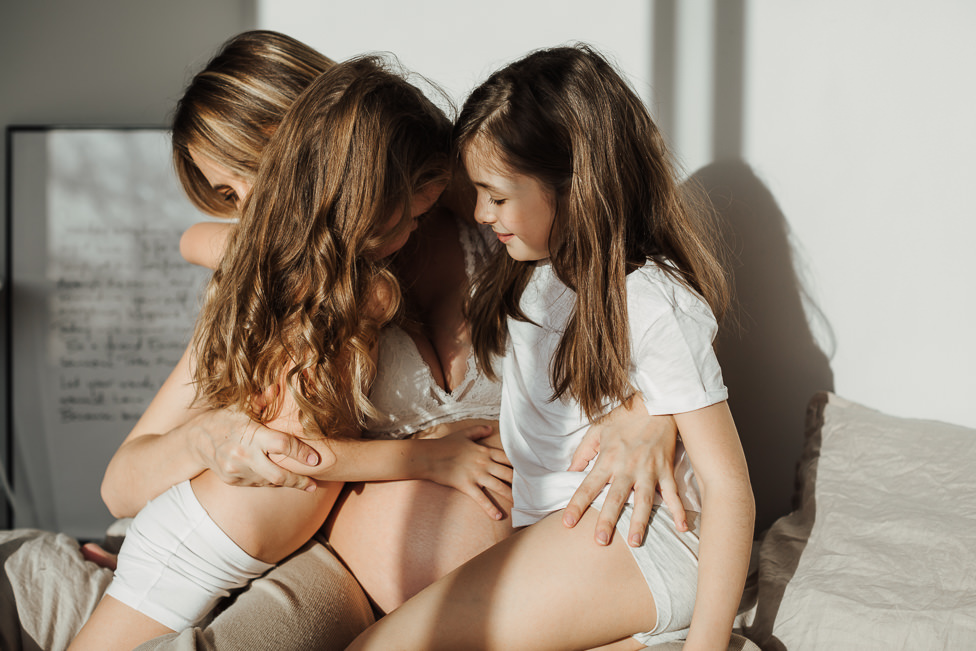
pixel 674 362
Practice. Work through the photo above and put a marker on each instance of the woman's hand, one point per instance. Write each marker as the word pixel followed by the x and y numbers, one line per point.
pixel 636 453
pixel 459 461
pixel 242 452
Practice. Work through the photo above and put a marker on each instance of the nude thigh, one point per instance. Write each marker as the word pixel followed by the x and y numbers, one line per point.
pixel 268 523
pixel 399 537
pixel 546 587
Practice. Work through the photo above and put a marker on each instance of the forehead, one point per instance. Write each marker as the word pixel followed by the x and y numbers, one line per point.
pixel 485 165
pixel 214 172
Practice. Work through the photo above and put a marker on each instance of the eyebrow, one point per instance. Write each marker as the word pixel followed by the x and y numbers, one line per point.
pixel 486 186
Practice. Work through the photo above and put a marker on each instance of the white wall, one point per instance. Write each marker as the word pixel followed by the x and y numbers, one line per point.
pixel 458 43
pixel 860 120
pixel 836 138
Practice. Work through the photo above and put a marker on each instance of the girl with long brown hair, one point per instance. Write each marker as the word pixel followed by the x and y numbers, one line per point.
pixel 604 286
pixel 288 336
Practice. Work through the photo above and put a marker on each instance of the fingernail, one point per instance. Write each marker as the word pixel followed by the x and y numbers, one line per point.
pixel 684 525
pixel 311 487
pixel 313 459
pixel 635 541
pixel 603 538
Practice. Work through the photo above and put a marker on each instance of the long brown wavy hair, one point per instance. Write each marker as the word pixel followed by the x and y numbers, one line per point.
pixel 231 108
pixel 565 117
pixel 294 299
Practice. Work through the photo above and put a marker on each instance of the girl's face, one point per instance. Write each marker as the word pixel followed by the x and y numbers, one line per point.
pixel 517 207
pixel 235 189
pixel 228 183
pixel 421 202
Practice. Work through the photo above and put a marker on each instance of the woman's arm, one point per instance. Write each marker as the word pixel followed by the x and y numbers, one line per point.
pixel 636 453
pixel 727 520
pixel 204 243
pixel 174 441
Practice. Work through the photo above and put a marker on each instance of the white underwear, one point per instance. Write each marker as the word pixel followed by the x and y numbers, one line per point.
pixel 668 559
pixel 176 563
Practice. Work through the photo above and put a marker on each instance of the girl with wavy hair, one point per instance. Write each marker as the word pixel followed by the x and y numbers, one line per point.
pixel 605 284
pixel 288 336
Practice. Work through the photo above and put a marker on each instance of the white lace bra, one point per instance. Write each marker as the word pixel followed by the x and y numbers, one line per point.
pixel 405 393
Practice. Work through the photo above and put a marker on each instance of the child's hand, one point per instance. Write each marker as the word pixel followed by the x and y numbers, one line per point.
pixel 636 453
pixel 456 460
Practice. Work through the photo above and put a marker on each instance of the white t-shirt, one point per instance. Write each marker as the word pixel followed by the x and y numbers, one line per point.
pixel 672 364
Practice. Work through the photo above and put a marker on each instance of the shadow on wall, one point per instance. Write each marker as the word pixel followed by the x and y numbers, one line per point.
pixel 769 358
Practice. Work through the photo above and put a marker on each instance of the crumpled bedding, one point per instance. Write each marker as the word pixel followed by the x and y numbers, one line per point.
pixel 881 553
pixel 62 591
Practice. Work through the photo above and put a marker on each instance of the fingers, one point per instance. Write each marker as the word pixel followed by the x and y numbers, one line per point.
pixel 478 495
pixel 588 491
pixel 476 432
pixel 587 450
pixel 613 505
pixel 669 491
pixel 285 445
pixel 277 475
pixel 643 505
pixel 263 457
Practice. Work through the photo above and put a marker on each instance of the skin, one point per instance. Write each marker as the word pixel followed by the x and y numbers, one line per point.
pixel 519 209
pixel 542 588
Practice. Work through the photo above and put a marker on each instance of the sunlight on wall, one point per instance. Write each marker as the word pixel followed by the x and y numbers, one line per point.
pixel 859 120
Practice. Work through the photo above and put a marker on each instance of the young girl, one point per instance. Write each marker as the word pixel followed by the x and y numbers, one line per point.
pixel 605 286
pixel 288 335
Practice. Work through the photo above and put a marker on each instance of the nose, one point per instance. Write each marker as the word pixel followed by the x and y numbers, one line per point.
pixel 482 213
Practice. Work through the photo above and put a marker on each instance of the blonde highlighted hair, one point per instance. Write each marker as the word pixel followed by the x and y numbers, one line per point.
pixel 565 117
pixel 231 108
pixel 294 299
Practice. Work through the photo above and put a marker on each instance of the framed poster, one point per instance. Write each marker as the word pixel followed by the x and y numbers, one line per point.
pixel 100 307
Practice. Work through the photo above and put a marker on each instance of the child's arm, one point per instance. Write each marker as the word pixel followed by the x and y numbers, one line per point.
pixel 455 460
pixel 727 519
pixel 204 243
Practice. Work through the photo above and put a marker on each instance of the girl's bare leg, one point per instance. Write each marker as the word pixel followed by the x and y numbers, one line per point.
pixel 129 628
pixel 268 523
pixel 546 587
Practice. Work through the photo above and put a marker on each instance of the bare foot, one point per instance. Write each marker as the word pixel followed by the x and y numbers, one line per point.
pixel 93 552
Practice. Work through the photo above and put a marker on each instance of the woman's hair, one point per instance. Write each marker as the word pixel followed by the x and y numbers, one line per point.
pixel 294 297
pixel 233 106
pixel 565 117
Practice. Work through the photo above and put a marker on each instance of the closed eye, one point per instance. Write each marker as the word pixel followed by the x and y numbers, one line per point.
pixel 227 194
pixel 496 202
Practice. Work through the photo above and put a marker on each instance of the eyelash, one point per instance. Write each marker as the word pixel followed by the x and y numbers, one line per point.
pixel 229 197
pixel 496 202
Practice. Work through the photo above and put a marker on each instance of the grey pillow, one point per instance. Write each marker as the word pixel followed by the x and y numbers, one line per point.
pixel 881 553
